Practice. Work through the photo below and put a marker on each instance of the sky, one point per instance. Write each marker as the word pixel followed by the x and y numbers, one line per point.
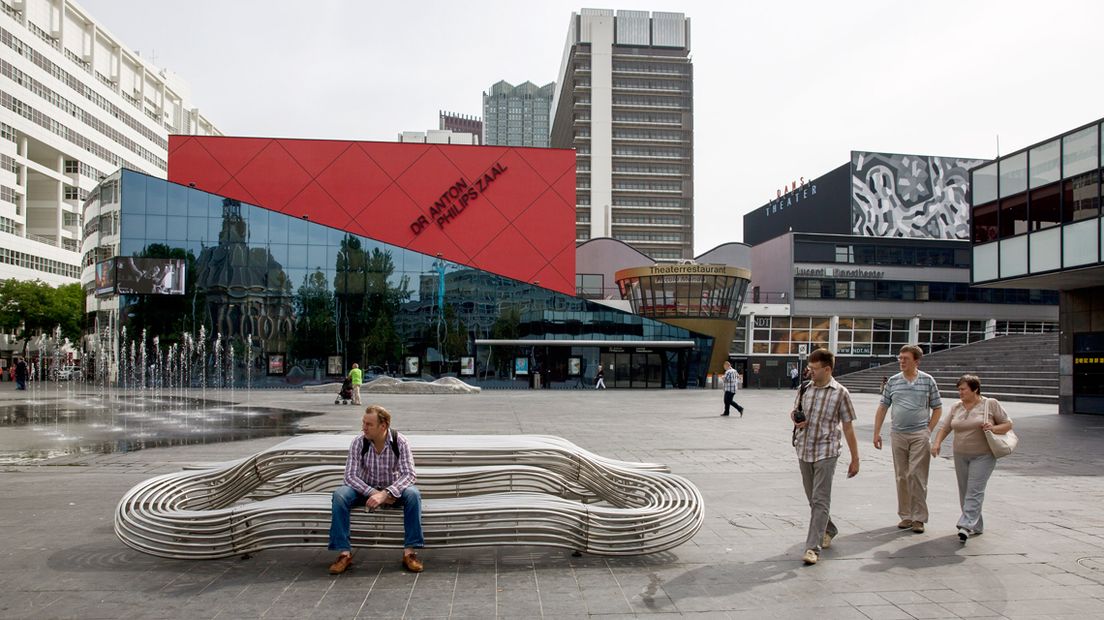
pixel 782 89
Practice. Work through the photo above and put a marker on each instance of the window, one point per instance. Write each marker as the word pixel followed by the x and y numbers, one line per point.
pixel 1044 162
pixel 1079 152
pixel 1013 216
pixel 1046 207
pixel 985 223
pixel 1013 174
pixel 1081 197
pixel 845 254
pixel 984 185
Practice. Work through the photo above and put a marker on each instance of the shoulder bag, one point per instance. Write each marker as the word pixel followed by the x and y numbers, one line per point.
pixel 1000 445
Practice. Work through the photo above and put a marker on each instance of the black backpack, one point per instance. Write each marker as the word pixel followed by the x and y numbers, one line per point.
pixel 364 447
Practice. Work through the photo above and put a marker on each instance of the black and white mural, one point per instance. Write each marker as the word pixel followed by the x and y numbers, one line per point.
pixel 895 195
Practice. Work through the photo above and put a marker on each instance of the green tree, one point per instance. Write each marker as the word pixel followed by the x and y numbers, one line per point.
pixel 34 308
pixel 367 303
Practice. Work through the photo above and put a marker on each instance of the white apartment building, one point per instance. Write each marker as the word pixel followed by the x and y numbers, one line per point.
pixel 75 105
pixel 624 101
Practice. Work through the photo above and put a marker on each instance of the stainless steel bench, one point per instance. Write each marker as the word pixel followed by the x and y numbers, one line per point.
pixel 477 490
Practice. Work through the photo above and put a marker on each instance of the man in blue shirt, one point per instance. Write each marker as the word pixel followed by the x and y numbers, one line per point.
pixel 917 407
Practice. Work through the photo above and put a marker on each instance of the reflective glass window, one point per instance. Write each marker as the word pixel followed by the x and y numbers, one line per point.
pixel 1079 152
pixel 1081 197
pixel 1013 174
pixel 1046 207
pixel 984 185
pixel 1044 162
pixel 1013 216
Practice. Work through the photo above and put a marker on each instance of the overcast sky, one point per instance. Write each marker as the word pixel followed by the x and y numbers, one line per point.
pixel 781 89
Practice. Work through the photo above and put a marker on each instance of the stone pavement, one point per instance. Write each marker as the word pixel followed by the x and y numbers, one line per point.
pixel 1042 555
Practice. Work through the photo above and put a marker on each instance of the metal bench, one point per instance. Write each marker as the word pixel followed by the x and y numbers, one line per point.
pixel 477 490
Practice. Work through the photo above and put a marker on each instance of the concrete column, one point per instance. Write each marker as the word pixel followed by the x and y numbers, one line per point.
pixel 990 329
pixel 914 330
pixel 833 334
pixel 59 217
pixel 21 181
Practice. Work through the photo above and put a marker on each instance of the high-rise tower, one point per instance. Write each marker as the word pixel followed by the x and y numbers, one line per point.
pixel 624 101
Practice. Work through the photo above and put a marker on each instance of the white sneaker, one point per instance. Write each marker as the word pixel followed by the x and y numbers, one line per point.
pixel 963 534
pixel 810 556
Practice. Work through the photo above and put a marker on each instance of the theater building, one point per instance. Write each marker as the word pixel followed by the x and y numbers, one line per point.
pixel 1036 223
pixel 420 260
pixel 871 256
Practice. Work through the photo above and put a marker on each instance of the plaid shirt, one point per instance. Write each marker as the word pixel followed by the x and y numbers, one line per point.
pixel 367 471
pixel 825 409
pixel 731 377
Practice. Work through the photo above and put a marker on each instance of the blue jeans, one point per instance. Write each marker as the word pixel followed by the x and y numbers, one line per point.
pixel 345 498
pixel 973 474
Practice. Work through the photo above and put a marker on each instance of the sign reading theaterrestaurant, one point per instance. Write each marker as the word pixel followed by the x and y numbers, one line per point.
pixel 455 199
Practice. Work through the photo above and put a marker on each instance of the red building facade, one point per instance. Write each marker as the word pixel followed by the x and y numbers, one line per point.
pixel 507 210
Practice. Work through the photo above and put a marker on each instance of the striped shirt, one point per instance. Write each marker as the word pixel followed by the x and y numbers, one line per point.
pixel 731 378
pixel 366 471
pixel 825 409
pixel 912 401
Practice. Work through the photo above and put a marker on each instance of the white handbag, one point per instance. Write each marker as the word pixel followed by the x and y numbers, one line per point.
pixel 1000 445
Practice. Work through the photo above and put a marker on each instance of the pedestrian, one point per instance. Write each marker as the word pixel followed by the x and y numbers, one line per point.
pixel 356 377
pixel 731 382
pixel 20 373
pixel 599 380
pixel 379 473
pixel 794 377
pixel 822 412
pixel 974 462
pixel 916 408
pixel 885 380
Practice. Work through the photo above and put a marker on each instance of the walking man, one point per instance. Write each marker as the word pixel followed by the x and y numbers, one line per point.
pixel 793 378
pixel 600 380
pixel 827 412
pixel 379 473
pixel 20 374
pixel 731 382
pixel 916 410
pixel 356 377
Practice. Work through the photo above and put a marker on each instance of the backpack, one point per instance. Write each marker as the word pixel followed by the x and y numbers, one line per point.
pixel 364 447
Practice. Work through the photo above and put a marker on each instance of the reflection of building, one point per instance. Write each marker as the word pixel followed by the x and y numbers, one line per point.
pixel 517 115
pixel 867 258
pixel 247 291
pixel 624 102
pixel 470 253
pixel 1036 223
pixel 76 105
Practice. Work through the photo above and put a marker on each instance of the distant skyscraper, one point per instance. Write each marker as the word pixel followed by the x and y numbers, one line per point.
pixel 460 123
pixel 625 102
pixel 517 115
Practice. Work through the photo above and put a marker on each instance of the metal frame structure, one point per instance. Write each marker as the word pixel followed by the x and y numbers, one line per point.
pixel 478 490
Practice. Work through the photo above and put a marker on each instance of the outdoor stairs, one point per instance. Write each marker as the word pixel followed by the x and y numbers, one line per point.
pixel 1021 368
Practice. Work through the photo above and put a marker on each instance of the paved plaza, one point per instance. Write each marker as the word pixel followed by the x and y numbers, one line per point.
pixel 1042 555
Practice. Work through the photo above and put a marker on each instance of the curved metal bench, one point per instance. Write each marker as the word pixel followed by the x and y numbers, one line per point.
pixel 477 490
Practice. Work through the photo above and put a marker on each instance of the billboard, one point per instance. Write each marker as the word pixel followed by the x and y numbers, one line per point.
pixel 105 277
pixel 149 276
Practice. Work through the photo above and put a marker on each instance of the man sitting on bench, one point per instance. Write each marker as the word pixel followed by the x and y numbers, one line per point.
pixel 378 473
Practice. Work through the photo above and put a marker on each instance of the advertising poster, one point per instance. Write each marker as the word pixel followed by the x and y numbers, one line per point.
pixel 467 366
pixel 275 363
pixel 412 366
pixel 149 276
pixel 521 365
pixel 574 366
pixel 105 277
pixel 333 365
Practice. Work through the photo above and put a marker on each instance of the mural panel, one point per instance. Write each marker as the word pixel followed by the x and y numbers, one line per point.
pixel 924 196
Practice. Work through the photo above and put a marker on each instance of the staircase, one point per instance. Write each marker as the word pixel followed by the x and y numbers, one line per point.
pixel 1021 368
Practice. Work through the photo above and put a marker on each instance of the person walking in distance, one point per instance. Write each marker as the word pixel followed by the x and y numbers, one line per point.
pixel 822 412
pixel 21 374
pixel 794 378
pixel 356 378
pixel 916 409
pixel 599 380
pixel 731 383
pixel 379 473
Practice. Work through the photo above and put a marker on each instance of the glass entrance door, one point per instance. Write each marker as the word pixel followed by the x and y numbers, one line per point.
pixel 633 370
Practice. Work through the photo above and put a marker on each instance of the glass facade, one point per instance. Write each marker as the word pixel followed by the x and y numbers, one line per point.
pixel 685 295
pixel 275 284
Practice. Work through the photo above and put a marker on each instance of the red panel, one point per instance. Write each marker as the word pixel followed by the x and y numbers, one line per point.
pixel 520 224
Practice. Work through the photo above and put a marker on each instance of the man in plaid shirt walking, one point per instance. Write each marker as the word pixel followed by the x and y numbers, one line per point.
pixel 379 473
pixel 731 381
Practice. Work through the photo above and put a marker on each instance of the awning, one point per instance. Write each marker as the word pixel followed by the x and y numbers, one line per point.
pixel 654 344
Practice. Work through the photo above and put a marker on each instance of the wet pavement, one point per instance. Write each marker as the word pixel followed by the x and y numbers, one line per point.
pixel 1042 555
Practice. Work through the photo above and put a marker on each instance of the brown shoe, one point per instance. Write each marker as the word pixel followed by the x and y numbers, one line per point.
pixel 412 563
pixel 341 564
pixel 904 524
pixel 918 527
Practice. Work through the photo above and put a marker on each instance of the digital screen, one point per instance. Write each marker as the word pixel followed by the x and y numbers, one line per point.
pixel 105 277
pixel 149 276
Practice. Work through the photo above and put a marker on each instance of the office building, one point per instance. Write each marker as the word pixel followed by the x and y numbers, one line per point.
pixel 460 123
pixel 438 136
pixel 624 102
pixel 517 115
pixel 1036 223
pixel 874 255
pixel 77 105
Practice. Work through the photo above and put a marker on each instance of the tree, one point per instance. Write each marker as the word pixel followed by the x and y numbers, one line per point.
pixel 314 326
pixel 35 308
pixel 367 303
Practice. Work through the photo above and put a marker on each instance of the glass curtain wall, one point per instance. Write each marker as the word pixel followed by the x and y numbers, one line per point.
pixel 271 284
